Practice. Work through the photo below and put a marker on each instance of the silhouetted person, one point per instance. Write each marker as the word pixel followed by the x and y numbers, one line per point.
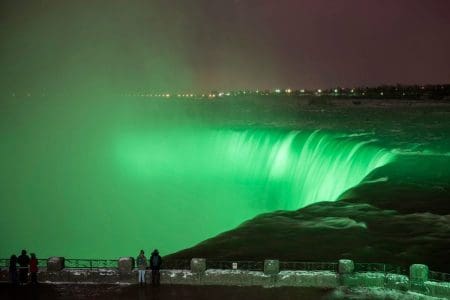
pixel 24 261
pixel 13 269
pixel 155 265
pixel 33 268
pixel 141 262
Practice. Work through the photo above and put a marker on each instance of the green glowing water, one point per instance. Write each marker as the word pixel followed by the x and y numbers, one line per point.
pixel 90 194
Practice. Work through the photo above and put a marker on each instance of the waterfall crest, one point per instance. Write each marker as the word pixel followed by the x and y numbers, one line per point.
pixel 282 169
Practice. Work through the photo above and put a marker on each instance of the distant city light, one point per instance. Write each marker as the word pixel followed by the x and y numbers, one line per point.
pixel 402 91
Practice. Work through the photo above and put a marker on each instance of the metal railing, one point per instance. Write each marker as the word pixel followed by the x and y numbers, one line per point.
pixel 439 276
pixel 90 263
pixel 177 264
pixel 382 268
pixel 246 265
pixel 185 264
pixel 308 266
pixel 42 263
pixel 4 263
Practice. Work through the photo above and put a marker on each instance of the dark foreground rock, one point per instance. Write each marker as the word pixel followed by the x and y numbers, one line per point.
pixel 176 292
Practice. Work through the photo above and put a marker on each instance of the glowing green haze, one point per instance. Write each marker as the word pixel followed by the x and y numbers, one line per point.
pixel 107 191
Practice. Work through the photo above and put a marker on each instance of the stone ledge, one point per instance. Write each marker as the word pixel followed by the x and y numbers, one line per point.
pixel 320 279
pixel 363 279
pixel 438 289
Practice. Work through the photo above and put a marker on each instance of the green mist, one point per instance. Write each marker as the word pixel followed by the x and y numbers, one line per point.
pixel 102 181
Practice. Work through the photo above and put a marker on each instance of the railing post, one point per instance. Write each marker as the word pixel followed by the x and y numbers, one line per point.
pixel 55 264
pixel 271 266
pixel 125 265
pixel 198 265
pixel 418 274
pixel 346 266
pixel 345 270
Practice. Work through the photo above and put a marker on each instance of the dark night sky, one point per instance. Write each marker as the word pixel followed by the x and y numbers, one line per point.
pixel 222 44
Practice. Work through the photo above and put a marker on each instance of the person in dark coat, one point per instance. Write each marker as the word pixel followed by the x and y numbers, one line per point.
pixel 24 261
pixel 155 265
pixel 33 268
pixel 13 269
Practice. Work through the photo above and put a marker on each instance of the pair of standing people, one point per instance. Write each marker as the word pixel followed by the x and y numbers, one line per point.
pixel 155 262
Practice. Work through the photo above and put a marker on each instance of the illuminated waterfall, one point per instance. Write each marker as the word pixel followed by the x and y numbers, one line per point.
pixel 284 170
pixel 298 168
